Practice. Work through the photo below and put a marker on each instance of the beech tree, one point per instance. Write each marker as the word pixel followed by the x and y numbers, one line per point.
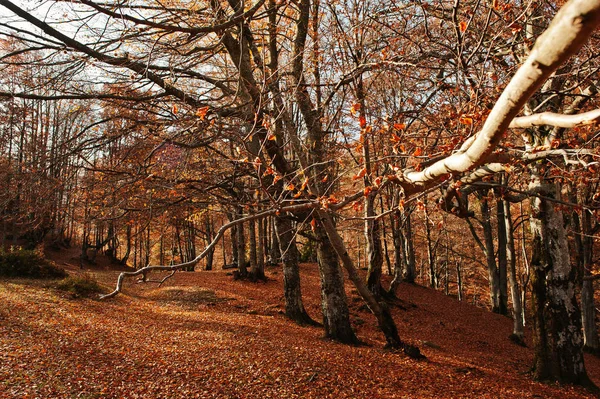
pixel 265 89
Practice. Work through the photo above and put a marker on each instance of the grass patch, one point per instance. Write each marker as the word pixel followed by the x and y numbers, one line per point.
pixel 79 286
pixel 28 264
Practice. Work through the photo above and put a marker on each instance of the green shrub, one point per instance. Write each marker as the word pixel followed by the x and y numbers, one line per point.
pixel 28 264
pixel 79 286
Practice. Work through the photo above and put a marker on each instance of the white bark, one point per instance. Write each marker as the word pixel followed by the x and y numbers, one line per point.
pixel 557 120
pixel 569 30
pixel 209 247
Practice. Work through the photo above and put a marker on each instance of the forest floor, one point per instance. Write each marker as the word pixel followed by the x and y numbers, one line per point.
pixel 203 335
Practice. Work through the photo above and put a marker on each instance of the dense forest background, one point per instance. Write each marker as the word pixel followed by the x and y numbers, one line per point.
pixel 448 144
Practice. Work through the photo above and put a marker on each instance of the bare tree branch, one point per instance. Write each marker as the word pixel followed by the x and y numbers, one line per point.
pixel 558 120
pixel 220 232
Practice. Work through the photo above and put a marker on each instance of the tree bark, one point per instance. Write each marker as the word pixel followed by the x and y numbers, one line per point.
pixel 336 316
pixel 380 309
pixel 558 338
pixel 430 251
pixel 585 243
pixel 502 257
pixel 294 307
pixel 242 270
pixel 518 332
pixel 372 231
pixel 493 273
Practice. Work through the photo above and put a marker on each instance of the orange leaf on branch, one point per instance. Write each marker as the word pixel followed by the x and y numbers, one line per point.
pixel 362 121
pixel 201 113
pixel 304 184
pixel 360 174
pixel 269 171
pixel 466 120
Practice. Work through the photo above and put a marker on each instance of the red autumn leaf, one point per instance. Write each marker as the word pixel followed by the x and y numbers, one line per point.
pixel 360 174
pixel 362 121
pixel 201 113
pixel 466 120
pixel 395 138
pixel 304 184
pixel 269 171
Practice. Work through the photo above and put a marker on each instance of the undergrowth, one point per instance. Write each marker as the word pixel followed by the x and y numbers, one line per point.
pixel 29 264
pixel 79 286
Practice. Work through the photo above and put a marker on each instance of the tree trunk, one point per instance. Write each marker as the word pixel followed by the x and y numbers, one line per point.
pixel 400 261
pixel 372 231
pixel 518 333
pixel 502 258
pixel 234 246
pixel 260 250
pixel 242 269
pixel 410 270
pixel 558 336
pixel 125 257
pixel 294 307
pixel 275 252
pixel 493 274
pixel 380 309
pixel 430 251
pixel 336 316
pixel 256 273
pixel 208 223
pixel 585 241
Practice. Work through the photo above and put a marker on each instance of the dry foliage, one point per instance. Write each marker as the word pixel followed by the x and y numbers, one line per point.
pixel 203 335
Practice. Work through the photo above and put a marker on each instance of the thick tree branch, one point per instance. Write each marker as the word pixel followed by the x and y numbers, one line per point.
pixel 558 120
pixel 209 247
pixel 567 33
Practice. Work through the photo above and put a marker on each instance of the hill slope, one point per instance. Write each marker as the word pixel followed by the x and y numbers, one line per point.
pixel 203 335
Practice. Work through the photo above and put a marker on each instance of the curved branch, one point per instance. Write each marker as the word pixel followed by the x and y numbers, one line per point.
pixel 567 33
pixel 208 248
pixel 235 19
pixel 557 120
